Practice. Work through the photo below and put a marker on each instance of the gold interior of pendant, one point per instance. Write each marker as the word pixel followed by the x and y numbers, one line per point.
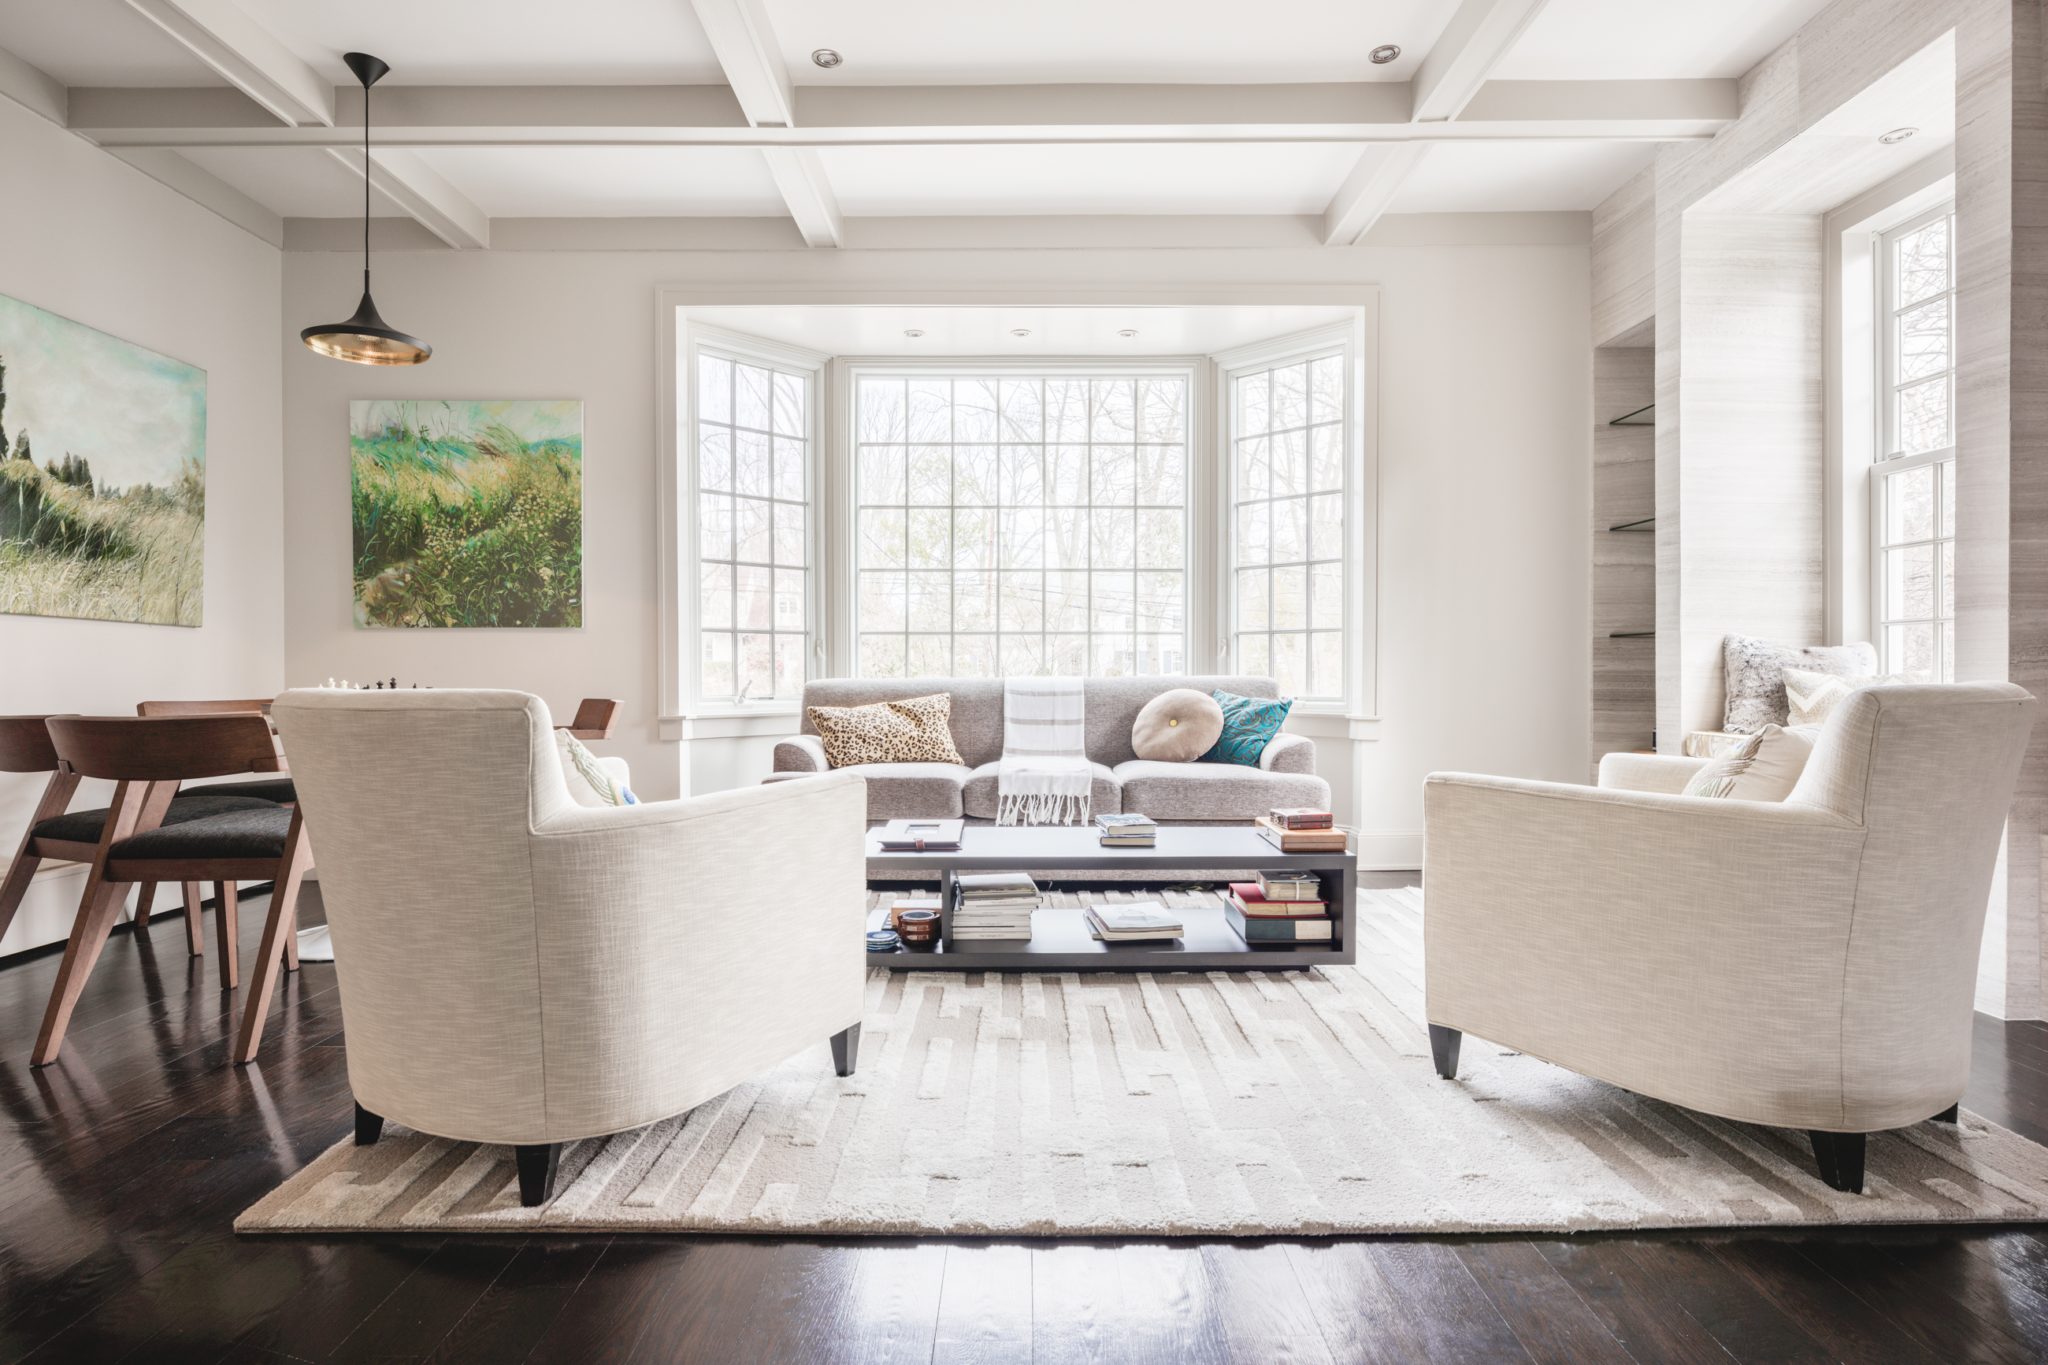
pixel 364 349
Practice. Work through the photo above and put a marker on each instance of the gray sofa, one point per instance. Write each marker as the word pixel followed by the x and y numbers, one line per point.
pixel 1172 793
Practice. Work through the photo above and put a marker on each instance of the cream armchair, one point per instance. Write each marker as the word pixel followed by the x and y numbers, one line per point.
pixel 1806 964
pixel 516 968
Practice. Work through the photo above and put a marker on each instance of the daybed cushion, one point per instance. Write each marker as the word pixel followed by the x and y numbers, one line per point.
pixel 978 797
pixel 239 834
pixel 1214 791
pixel 905 791
pixel 1177 726
pixel 84 826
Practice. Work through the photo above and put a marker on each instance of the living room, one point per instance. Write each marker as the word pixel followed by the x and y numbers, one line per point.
pixel 1357 607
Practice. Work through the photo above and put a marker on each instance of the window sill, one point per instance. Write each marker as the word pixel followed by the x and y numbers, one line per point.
pixel 732 723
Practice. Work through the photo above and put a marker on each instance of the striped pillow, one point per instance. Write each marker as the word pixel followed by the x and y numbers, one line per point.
pixel 1764 767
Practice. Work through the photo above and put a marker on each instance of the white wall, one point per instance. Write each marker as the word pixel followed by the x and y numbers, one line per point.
pixel 91 238
pixel 1484 409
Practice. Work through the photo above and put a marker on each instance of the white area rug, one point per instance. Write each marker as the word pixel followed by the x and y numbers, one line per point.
pixel 1235 1105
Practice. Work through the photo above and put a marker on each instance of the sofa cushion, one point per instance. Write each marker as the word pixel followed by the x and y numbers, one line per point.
pixel 978 797
pixel 1114 703
pixel 909 730
pixel 975 718
pixel 905 791
pixel 84 826
pixel 1177 726
pixel 1753 676
pixel 1249 724
pixel 1214 791
pixel 1812 697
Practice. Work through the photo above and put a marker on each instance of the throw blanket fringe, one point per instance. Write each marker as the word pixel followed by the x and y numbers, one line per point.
pixel 1044 777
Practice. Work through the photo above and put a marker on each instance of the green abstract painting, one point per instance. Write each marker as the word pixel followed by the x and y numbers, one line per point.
pixel 467 513
pixel 102 475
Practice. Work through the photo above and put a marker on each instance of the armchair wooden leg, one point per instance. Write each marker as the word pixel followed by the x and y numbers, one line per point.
pixel 1948 1115
pixel 537 1165
pixel 845 1050
pixel 195 926
pixel 144 894
pixel 280 927
pixel 226 934
pixel 369 1127
pixel 1840 1158
pixel 1443 1046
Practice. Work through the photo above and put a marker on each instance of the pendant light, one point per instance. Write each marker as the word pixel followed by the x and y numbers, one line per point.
pixel 366 338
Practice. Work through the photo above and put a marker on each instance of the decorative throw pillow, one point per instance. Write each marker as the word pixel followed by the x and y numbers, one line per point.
pixel 913 730
pixel 1812 697
pixel 1177 726
pixel 1249 724
pixel 1764 767
pixel 588 782
pixel 1754 672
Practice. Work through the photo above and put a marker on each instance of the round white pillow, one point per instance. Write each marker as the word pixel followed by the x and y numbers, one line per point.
pixel 1177 726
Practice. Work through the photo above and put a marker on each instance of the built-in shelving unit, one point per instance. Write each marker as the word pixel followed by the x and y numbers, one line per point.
pixel 1624 700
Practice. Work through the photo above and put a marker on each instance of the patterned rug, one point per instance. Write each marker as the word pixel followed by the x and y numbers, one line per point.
pixel 1234 1105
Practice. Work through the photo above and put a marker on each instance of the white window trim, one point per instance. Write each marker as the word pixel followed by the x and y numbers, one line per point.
pixel 1358 342
pixel 678 344
pixel 846 372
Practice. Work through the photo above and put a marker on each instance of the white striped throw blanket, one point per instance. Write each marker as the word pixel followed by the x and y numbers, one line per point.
pixel 1044 777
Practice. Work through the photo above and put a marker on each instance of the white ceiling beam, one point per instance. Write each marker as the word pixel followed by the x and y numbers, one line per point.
pixel 1451 75
pixel 743 40
pixel 1368 190
pixel 222 35
pixel 800 175
pixel 708 116
pixel 34 89
pixel 205 189
pixel 1475 40
pixel 404 178
pixel 744 43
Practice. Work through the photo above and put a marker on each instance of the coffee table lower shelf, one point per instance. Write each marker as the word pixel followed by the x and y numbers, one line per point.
pixel 1060 942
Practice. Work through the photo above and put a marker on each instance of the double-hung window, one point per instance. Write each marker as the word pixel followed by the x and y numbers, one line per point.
pixel 1288 479
pixel 1020 521
pixel 752 443
pixel 1913 478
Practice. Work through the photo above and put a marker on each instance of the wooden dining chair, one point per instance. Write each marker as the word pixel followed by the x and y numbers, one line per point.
pixel 595 717
pixel 278 789
pixel 261 842
pixel 58 834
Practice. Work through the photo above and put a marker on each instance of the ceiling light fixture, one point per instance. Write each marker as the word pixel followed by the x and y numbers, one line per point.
pixel 1020 331
pixel 913 332
pixel 366 339
pixel 1384 53
pixel 1896 135
pixel 1127 332
pixel 826 57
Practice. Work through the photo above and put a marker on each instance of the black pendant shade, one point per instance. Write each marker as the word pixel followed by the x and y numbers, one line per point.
pixel 365 338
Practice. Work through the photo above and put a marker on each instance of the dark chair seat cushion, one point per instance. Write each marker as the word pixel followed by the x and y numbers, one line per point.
pixel 269 788
pixel 84 826
pixel 255 833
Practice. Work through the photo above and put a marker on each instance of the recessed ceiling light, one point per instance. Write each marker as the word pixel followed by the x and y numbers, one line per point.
pixel 826 57
pixel 913 332
pixel 1127 332
pixel 1384 53
pixel 1896 135
pixel 1020 331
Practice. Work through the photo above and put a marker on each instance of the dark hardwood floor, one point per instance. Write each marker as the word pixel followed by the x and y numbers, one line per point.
pixel 122 1167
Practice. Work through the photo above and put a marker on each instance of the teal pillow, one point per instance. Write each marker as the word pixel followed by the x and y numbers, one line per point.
pixel 1249 724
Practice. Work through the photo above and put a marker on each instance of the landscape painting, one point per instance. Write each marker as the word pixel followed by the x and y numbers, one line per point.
pixel 467 513
pixel 102 475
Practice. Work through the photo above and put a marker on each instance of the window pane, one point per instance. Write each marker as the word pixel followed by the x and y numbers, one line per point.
pixel 790 418
pixel 789 600
pixel 750 474
pixel 1023 415
pixel 1326 458
pixel 1326 389
pixel 1254 468
pixel 1254 404
pixel 1326 664
pixel 1162 602
pixel 1290 530
pixel 1923 416
pixel 1909 505
pixel 1113 476
pixel 1290 598
pixel 1022 656
pixel 880 475
pixel 931 537
pixel 714 596
pixel 881 656
pixel 1066 476
pixel 1289 456
pixel 1290 664
pixel 1326 526
pixel 974 656
pixel 714 458
pixel 974 538
pixel 931 475
pixel 714 665
pixel 882 538
pixel 1021 602
pixel 881 601
pixel 881 410
pixel 757 665
pixel 1909 584
pixel 1162 475
pixel 1326 596
pixel 1162 410
pixel 1253 543
pixel 789 468
pixel 753 600
pixel 1948 497
pixel 752 533
pixel 1921 258
pixel 1948 651
pixel 1113 656
pixel 1290 396
pixel 714 388
pixel 789 534
pixel 1067 654
pixel 1021 538
pixel 1909 650
pixel 931 409
pixel 930 601
pixel 1115 538
pixel 1113 416
pixel 1023 474
pixel 1948 581
pixel 1066 410
pixel 974 601
pixel 974 410
pixel 1159 538
pixel 1923 341
pixel 974 476
pixel 714 526
pixel 929 656
pixel 1254 655
pixel 1254 599
pixel 751 385
pixel 1066 600
pixel 789 665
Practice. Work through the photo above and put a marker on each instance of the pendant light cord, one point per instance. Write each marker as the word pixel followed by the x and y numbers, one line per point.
pixel 366 189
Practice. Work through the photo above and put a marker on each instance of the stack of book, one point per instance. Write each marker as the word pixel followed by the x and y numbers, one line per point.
pixel 1260 918
pixel 1295 829
pixel 921 836
pixel 1133 922
pixel 1127 831
pixel 993 905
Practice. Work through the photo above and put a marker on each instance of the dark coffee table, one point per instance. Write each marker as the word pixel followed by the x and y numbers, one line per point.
pixel 1060 941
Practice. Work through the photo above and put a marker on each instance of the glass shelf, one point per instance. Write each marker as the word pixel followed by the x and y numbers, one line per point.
pixel 1631 634
pixel 1645 524
pixel 1644 416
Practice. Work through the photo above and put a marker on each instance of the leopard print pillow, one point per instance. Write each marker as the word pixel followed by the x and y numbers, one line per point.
pixel 913 730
